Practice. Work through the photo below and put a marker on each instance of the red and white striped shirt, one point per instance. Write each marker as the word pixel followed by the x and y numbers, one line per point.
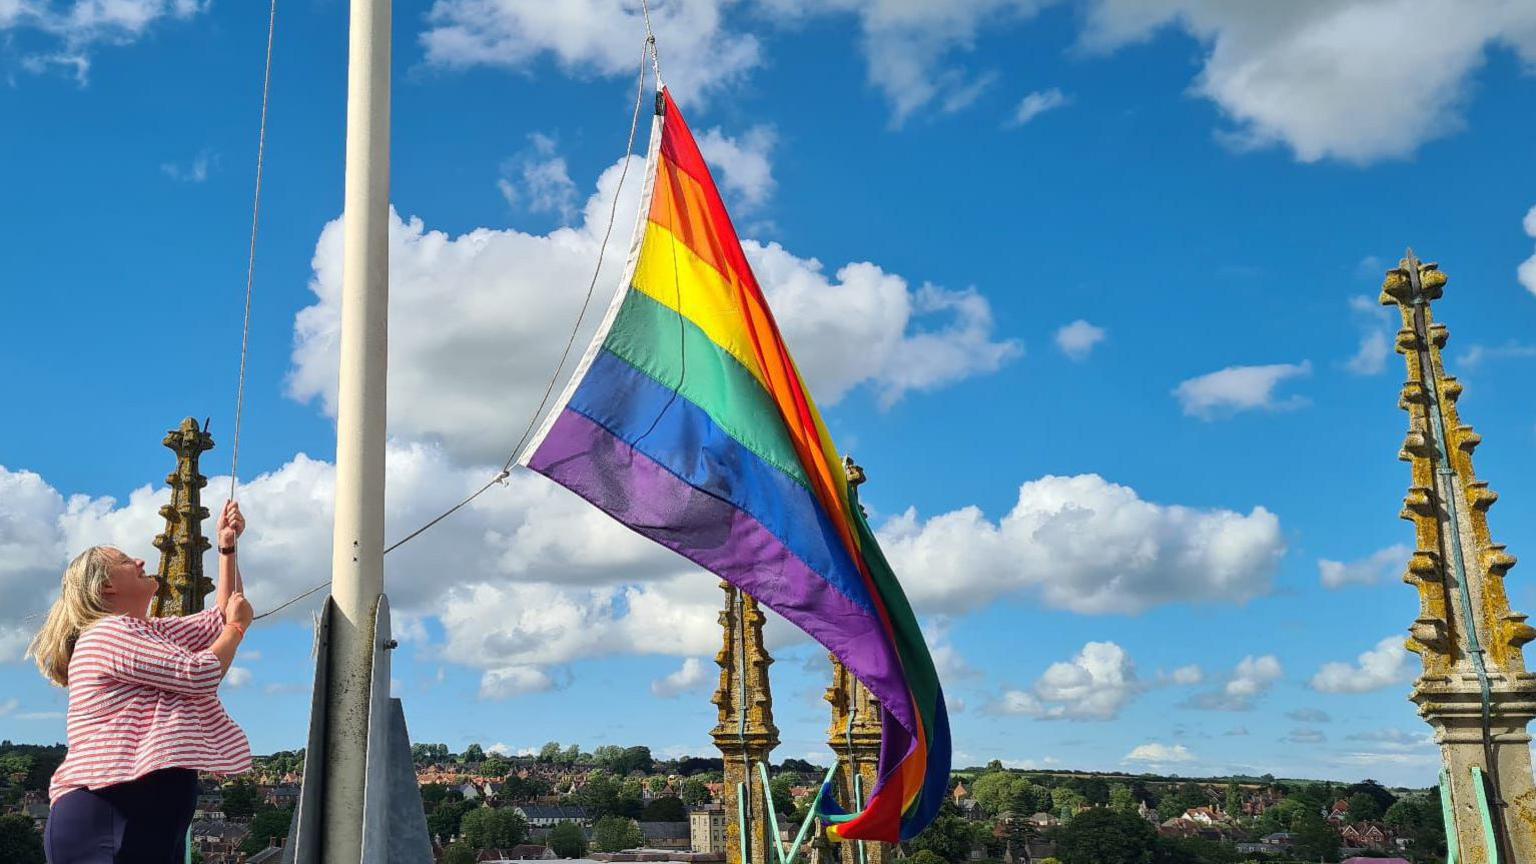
pixel 143 695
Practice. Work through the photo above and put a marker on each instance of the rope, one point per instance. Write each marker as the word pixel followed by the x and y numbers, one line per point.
pixel 650 41
pixel 570 342
pixel 250 267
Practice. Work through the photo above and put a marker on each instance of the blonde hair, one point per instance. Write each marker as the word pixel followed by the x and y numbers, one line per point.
pixel 81 603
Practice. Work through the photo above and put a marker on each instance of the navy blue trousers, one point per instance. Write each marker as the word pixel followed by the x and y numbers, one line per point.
pixel 143 821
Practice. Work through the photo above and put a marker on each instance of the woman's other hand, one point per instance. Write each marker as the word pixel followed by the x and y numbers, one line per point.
pixel 231 525
pixel 238 611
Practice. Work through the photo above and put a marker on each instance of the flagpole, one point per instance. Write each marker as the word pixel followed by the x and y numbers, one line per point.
pixel 357 561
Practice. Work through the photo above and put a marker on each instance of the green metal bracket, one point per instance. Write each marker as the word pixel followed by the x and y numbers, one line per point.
pixel 741 821
pixel 1490 840
pixel 782 855
pixel 858 804
pixel 1452 849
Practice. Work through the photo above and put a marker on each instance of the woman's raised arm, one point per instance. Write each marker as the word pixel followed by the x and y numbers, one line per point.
pixel 231 526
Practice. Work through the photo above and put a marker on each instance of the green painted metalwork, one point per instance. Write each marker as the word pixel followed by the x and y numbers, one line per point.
pixel 783 856
pixel 741 821
pixel 858 802
pixel 1452 849
pixel 1490 839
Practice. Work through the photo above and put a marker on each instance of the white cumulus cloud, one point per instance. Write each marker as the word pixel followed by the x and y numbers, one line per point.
pixel 689 676
pixel 910 48
pixel 1383 666
pixel 1370 570
pixel 1094 685
pixel 539 180
pixel 700 54
pixel 1084 544
pixel 1326 80
pixel 1037 103
pixel 1240 388
pixel 1527 269
pixel 1187 675
pixel 741 165
pixel 1078 339
pixel 862 327
pixel 73 30
pixel 1375 322
pixel 1154 753
pixel 1251 679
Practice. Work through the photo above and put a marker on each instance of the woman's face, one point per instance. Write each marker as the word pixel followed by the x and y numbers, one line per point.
pixel 129 589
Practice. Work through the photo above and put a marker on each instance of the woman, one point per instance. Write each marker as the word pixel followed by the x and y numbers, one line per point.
pixel 144 712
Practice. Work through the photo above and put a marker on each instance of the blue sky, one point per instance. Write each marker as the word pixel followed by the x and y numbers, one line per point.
pixel 1119 558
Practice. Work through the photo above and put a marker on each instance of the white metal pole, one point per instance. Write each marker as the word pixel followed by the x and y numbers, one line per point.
pixel 357 558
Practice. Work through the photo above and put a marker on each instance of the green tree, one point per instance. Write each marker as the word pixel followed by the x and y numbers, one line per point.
pixel 1121 799
pixel 19 840
pixel 433 794
pixel 657 784
pixel 550 752
pixel 567 840
pixel 1382 797
pixel 265 827
pixel 1019 831
pixel 1192 850
pixel 40 773
pixel 473 753
pixel 600 794
pixel 1093 789
pixel 994 789
pixel 636 759
pixel 926 856
pixel 1067 801
pixel 571 755
pixel 489 828
pixel 241 798
pixel 608 757
pixel 615 834
pixel 1404 816
pixel 444 822
pixel 12 764
pixel 1315 839
pixel 1234 799
pixel 1188 795
pixel 1000 792
pixel 1363 808
pixel 949 836
pixel 495 766
pixel 779 790
pixel 693 792
pixel 459 853
pixel 1101 836
pixel 667 808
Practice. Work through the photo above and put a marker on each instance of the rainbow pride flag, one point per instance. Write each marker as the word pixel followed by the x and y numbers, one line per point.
pixel 688 422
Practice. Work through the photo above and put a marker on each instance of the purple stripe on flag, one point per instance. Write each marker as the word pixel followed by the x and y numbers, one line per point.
pixel 585 458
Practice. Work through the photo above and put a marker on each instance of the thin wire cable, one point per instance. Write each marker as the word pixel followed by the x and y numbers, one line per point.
pixel 565 355
pixel 250 267
pixel 650 41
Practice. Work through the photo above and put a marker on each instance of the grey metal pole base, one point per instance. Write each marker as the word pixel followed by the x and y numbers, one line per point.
pixel 394 823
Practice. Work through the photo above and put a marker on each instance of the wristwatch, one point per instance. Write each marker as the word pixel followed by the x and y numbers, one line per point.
pixel 226 550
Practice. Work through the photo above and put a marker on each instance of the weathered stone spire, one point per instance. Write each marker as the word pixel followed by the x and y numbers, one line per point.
pixel 1466 635
pixel 182 583
pixel 854 735
pixel 745 734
